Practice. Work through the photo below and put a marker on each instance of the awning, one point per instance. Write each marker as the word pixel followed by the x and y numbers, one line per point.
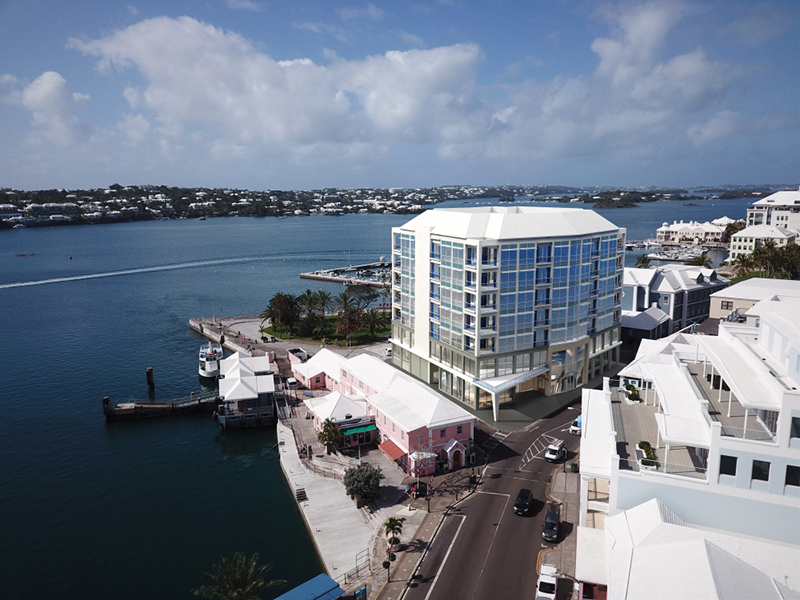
pixel 361 429
pixel 496 385
pixel 392 450
pixel 320 587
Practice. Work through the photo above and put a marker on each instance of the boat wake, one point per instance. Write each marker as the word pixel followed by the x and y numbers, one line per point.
pixel 154 269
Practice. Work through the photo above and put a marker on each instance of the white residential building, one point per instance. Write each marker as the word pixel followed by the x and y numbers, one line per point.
pixel 748 239
pixel 691 232
pixel 781 209
pixel 722 415
pixel 747 293
pixel 488 302
pixel 681 292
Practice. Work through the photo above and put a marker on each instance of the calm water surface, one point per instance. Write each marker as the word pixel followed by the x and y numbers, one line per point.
pixel 140 510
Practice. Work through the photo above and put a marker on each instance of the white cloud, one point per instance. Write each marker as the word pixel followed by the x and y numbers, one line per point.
pixel 51 106
pixel 244 5
pixel 135 128
pixel 79 98
pixel 720 125
pixel 370 11
pixel 324 29
pixel 763 23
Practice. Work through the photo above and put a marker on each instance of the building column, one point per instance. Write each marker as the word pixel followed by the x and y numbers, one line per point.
pixel 495 407
pixel 584 500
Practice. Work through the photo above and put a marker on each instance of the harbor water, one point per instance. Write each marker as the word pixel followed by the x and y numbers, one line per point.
pixel 139 510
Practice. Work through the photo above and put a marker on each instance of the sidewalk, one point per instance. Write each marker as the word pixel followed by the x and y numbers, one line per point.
pixel 563 489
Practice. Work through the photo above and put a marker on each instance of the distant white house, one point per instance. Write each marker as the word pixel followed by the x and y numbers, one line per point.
pixel 781 209
pixel 691 232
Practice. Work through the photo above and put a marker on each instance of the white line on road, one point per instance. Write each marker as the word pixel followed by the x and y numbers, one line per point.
pixel 494 493
pixel 444 561
pixel 489 551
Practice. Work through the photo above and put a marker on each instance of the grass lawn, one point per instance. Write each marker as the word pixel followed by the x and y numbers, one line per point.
pixel 362 336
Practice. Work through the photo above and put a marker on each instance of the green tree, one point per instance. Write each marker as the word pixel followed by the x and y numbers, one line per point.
pixel 282 311
pixel 393 528
pixel 349 314
pixel 236 579
pixel 363 482
pixel 642 262
pixel 324 302
pixel 373 318
pixel 742 264
pixel 700 261
pixel 331 436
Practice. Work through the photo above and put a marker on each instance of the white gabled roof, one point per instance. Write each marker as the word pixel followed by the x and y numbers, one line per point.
pixel 765 231
pixel 646 320
pixel 336 406
pixel 635 276
pixel 323 361
pixel 652 553
pixel 511 222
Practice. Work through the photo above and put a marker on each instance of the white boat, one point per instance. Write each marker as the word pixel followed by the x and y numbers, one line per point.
pixel 210 355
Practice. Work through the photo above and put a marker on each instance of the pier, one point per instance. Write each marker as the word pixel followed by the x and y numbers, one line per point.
pixel 138 409
pixel 373 274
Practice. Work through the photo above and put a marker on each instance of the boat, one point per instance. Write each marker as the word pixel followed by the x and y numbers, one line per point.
pixel 210 355
pixel 201 218
pixel 19 226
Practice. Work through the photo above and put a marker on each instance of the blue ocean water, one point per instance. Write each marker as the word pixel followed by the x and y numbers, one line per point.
pixel 141 509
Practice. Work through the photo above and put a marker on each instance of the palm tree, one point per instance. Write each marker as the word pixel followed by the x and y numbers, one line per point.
pixel 330 436
pixel 700 261
pixel 742 264
pixel 308 302
pixel 373 318
pixel 393 527
pixel 236 579
pixel 324 301
pixel 282 311
pixel 642 262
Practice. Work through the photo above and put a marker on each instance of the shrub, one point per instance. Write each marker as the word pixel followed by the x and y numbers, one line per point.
pixel 363 482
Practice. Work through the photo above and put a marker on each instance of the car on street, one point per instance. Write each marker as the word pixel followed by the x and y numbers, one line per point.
pixel 556 451
pixel 522 505
pixel 575 428
pixel 551 524
pixel 547 584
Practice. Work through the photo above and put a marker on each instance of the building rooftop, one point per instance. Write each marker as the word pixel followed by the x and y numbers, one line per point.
pixel 652 553
pixel 646 320
pixel 786 198
pixel 764 231
pixel 757 289
pixel 510 222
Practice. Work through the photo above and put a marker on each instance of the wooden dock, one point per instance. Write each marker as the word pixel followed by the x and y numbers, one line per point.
pixel 139 409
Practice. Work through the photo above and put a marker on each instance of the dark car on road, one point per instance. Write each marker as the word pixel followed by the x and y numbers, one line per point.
pixel 550 527
pixel 522 505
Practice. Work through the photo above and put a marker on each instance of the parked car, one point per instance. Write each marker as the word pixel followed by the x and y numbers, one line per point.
pixel 547 584
pixel 550 527
pixel 522 505
pixel 575 428
pixel 415 490
pixel 556 451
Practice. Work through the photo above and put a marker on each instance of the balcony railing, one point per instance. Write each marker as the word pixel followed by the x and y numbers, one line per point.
pixel 759 435
pixel 470 285
pixel 692 472
pixel 543 281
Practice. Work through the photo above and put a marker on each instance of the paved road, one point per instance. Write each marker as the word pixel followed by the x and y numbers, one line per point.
pixel 482 547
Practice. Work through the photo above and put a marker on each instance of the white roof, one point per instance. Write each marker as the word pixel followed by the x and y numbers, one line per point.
pixel 590 557
pixel 653 554
pixel 743 371
pixel 783 312
pixel 723 221
pixel 658 352
pixel 245 388
pixel 765 231
pixel 646 320
pixel 323 361
pixel 336 406
pixel 598 441
pixel 511 222
pixel 757 289
pixel 785 198
pixel 681 422
pixel 634 276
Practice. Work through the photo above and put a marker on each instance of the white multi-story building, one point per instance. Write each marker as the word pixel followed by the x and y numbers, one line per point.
pixel 781 209
pixel 721 415
pixel 488 302
pixel 750 238
pixel 690 232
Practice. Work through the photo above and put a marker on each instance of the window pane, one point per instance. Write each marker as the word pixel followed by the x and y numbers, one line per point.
pixel 792 475
pixel 761 470
pixel 727 465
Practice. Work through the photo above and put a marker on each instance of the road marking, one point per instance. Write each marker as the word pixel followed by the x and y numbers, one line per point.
pixel 444 561
pixel 494 535
pixel 494 493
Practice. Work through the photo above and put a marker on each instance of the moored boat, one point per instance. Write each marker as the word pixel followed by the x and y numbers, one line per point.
pixel 210 355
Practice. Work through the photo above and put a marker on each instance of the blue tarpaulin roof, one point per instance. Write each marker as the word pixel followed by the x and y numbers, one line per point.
pixel 320 587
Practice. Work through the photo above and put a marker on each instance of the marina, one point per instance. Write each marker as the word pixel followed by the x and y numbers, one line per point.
pixel 372 274
pixel 139 409
pixel 683 253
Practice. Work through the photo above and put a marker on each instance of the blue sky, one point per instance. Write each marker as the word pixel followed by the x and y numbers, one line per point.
pixel 267 94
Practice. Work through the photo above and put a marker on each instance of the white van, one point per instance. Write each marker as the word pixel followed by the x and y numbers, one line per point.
pixel 556 451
